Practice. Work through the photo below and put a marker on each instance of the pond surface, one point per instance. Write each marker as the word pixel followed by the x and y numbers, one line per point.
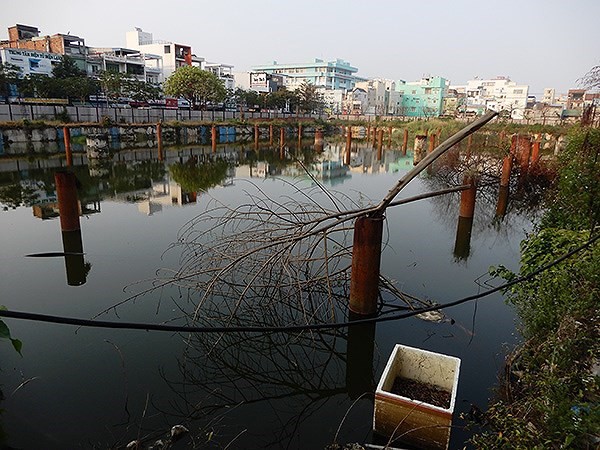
pixel 101 388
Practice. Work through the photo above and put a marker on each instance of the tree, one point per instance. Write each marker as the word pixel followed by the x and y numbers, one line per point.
pixel 591 80
pixel 9 76
pixel 67 68
pixel 197 86
pixel 309 98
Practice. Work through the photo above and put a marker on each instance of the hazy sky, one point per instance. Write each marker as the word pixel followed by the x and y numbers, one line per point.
pixel 543 43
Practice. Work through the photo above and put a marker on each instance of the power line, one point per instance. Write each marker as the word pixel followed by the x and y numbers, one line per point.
pixel 286 328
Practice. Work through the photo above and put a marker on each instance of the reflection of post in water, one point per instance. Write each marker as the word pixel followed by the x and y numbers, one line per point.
pixel 256 136
pixel 379 144
pixel 319 140
pixel 67 139
pixel 213 137
pixel 348 145
pixel 419 148
pixel 462 245
pixel 360 349
pixel 390 133
pixel 159 142
pixel 68 208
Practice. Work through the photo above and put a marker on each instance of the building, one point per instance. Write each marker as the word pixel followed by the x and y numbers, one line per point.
pixel 382 97
pixel 423 98
pixel 575 99
pixel 549 96
pixel 30 62
pixel 332 99
pixel 498 94
pixel 171 54
pixel 141 66
pixel 26 37
pixel 356 101
pixel 336 74
pixel 223 71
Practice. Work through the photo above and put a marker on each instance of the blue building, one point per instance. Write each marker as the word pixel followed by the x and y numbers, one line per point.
pixel 337 74
pixel 423 98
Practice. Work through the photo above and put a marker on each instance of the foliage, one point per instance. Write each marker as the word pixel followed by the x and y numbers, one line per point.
pixel 118 84
pixel 9 75
pixel 575 205
pixel 591 80
pixel 550 396
pixel 309 98
pixel 197 86
pixel 5 334
pixel 194 177
pixel 67 68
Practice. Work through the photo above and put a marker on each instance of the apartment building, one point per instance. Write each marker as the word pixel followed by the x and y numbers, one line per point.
pixel 223 71
pixel 26 37
pixel 498 94
pixel 422 98
pixel 141 66
pixel 171 54
pixel 335 74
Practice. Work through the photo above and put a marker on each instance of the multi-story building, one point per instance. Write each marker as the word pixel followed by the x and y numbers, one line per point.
pixel 337 74
pixel 223 71
pixel 498 94
pixel 382 97
pixel 549 96
pixel 28 38
pixel 30 62
pixel 171 54
pixel 141 66
pixel 423 98
pixel 575 98
pixel 356 101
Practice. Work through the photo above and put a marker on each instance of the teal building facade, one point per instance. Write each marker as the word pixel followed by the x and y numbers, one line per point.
pixel 423 98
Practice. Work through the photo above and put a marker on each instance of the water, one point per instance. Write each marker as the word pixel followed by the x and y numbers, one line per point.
pixel 99 388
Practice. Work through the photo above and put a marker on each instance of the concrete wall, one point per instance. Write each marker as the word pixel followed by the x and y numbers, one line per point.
pixel 13 113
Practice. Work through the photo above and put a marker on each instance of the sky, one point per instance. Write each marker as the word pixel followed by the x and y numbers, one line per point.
pixel 542 43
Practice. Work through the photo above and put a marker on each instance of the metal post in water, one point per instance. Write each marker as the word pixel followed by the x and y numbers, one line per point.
pixel 366 259
pixel 67 139
pixel 271 134
pixel 467 198
pixel 348 145
pixel 462 244
pixel 405 142
pixel 68 204
pixel 390 131
pixel 379 144
pixel 374 136
pixel 524 152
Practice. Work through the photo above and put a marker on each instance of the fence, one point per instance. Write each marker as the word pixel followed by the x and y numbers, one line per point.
pixel 15 112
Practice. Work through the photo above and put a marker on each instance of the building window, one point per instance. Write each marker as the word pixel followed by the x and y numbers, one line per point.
pixel 167 49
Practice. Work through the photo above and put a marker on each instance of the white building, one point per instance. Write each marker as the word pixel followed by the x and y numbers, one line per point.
pixel 30 62
pixel 223 71
pixel 549 96
pixel 141 66
pixel 333 99
pixel 498 94
pixel 382 97
pixel 171 54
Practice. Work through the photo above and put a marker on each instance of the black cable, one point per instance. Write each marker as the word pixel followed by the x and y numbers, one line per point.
pixel 288 328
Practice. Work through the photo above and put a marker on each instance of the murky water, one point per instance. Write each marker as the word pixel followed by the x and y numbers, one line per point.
pixel 90 387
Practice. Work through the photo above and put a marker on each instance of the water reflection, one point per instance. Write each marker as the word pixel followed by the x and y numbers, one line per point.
pixel 285 389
